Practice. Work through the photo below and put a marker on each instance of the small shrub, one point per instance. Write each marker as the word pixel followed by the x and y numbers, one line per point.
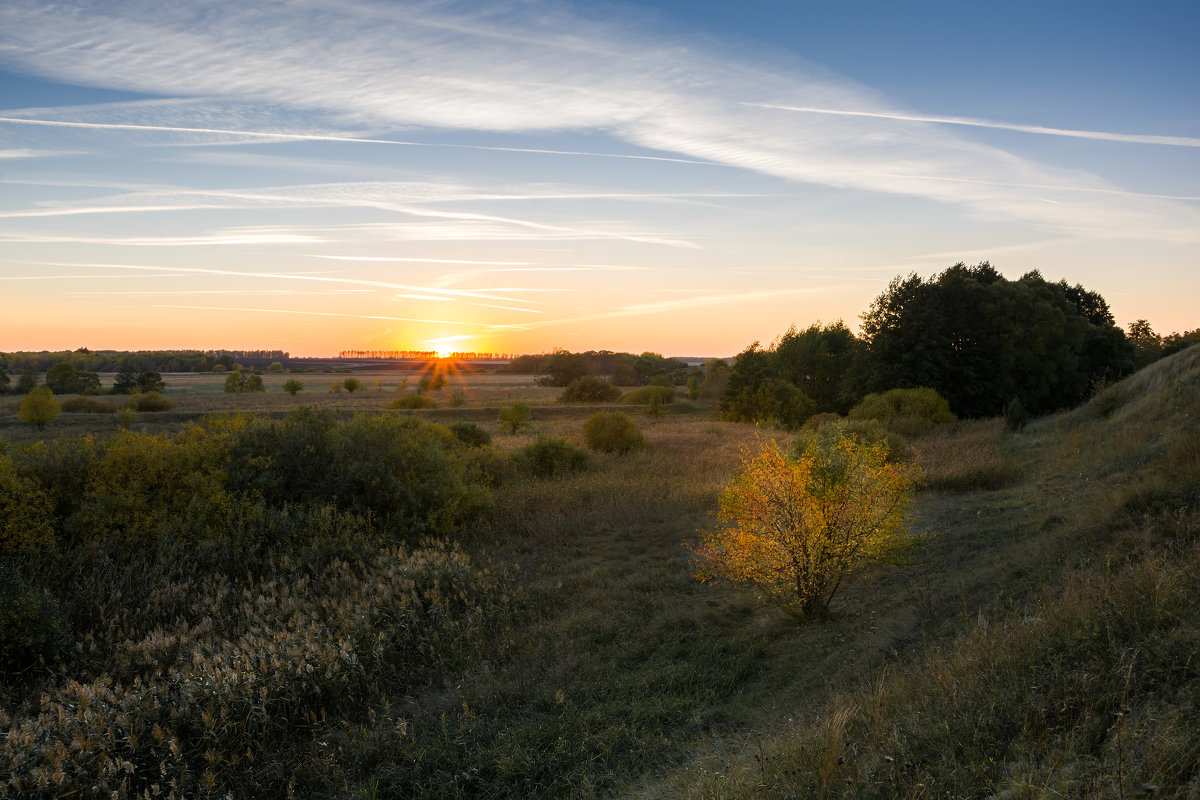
pixel 458 398
pixel 291 386
pixel 612 432
pixel 1015 415
pixel 909 412
pixel 590 389
pixel 87 405
pixel 254 383
pixel 410 401
pixel 126 416
pixel 149 401
pixel 32 631
pixel 515 417
pixel 38 407
pixel 470 434
pixel 336 387
pixel 549 456
pixel 1107 400
pixel 645 395
pixel 860 431
pixel 352 384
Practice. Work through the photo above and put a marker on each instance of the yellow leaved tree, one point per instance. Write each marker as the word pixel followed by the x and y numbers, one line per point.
pixel 797 528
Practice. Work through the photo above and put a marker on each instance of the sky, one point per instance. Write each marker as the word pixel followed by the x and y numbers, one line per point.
pixel 679 177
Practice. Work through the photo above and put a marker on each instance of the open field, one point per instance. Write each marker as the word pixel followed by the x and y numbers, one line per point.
pixel 1044 642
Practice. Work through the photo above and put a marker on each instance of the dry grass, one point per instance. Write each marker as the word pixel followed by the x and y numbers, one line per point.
pixel 964 457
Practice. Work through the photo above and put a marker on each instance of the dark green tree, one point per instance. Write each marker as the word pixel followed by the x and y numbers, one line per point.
pixel 981 340
pixel 564 368
pixel 755 392
pixel 823 361
pixel 126 380
pixel 150 381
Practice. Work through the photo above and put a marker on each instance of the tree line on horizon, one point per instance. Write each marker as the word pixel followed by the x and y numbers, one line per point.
pixel 980 340
pixel 985 343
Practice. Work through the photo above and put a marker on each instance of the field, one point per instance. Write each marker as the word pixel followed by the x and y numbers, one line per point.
pixel 1044 642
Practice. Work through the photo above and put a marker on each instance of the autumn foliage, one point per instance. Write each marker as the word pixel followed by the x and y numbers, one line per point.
pixel 796 529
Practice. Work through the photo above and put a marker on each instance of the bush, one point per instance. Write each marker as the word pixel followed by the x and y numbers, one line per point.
pixel 87 405
pixel 38 407
pixel 291 386
pixel 410 401
pixel 149 401
pixel 645 395
pixel 254 383
pixel 861 431
pixel 32 630
pixel 549 456
pixel 352 384
pixel 769 400
pixel 797 529
pixel 470 434
pixel 405 471
pixel 612 432
pixel 909 412
pixel 126 416
pixel 515 417
pixel 590 389
pixel 25 512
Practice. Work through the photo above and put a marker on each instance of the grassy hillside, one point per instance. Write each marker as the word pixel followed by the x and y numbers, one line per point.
pixel 1080 677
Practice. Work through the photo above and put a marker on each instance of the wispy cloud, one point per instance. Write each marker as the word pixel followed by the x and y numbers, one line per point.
pixel 239 309
pixel 346 280
pixel 537 67
pixel 315 137
pixel 405 198
pixel 972 122
pixel 664 306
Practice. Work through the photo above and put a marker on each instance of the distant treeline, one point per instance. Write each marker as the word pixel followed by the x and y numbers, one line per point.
pixel 983 342
pixel 562 367
pixel 422 354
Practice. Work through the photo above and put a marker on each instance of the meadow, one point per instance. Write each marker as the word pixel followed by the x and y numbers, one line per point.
pixel 545 636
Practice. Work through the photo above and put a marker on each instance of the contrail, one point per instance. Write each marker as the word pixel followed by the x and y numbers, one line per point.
pixel 1133 138
pixel 291 277
pixel 336 314
pixel 311 137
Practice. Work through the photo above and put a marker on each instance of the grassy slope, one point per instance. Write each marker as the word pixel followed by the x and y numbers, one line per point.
pixel 1079 674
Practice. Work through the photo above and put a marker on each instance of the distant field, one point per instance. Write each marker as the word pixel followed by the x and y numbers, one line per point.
pixel 466 395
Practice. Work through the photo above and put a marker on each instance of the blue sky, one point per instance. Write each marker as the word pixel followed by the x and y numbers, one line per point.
pixel 685 177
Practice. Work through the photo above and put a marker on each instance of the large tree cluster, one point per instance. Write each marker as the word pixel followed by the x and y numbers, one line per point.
pixel 979 339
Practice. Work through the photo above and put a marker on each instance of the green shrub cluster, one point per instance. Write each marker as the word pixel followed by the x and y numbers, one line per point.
pixel 645 395
pixel 515 417
pixel 470 434
pixel 551 456
pixel 151 401
pixel 82 404
pixel 909 412
pixel 612 432
pixel 202 613
pixel 412 401
pixel 590 389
